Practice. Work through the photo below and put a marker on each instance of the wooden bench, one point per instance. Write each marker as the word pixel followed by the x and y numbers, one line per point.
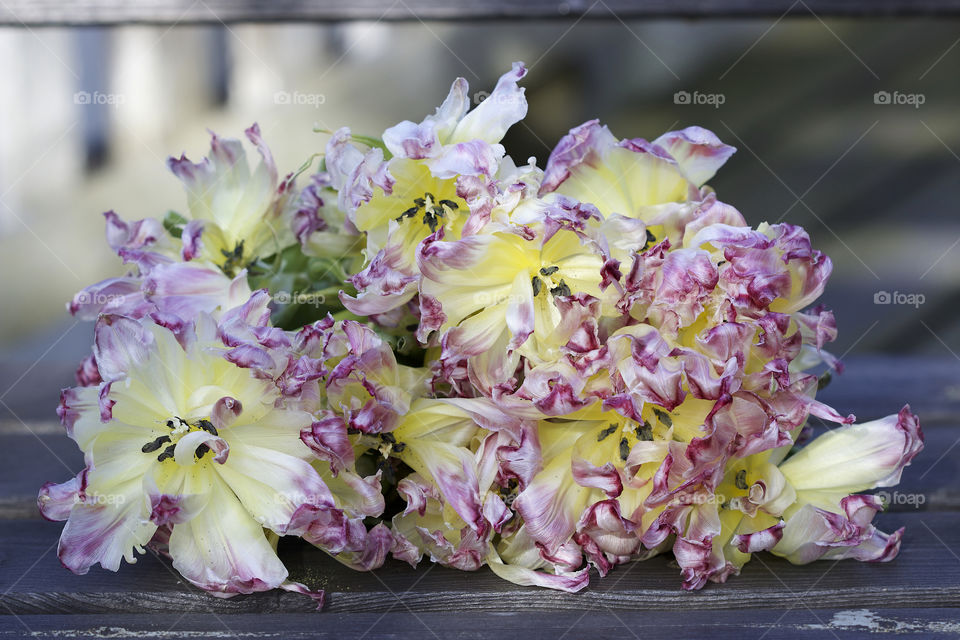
pixel 86 12
pixel 917 592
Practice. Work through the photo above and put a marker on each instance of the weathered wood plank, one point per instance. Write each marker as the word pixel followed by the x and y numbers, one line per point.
pixel 926 574
pixel 32 391
pixel 72 12
pixel 875 386
pixel 462 624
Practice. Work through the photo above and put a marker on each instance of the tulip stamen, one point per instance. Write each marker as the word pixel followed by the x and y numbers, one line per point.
pixel 234 259
pixel 663 417
pixel 167 453
pixel 155 444
pixel 509 492
pixel 433 210
pixel 562 289
pixel 741 479
pixel 180 427
pixel 651 240
pixel 207 426
pixel 645 431
pixel 606 432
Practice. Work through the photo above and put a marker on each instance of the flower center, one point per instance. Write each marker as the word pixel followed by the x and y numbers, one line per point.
pixel 234 259
pixel 550 280
pixel 179 428
pixel 433 210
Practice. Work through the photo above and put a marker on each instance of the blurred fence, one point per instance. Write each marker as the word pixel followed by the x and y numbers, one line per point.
pixel 847 127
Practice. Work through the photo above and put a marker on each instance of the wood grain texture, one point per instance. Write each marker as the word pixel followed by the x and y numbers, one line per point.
pixel 81 12
pixel 927 573
pixel 31 391
pixel 917 593
pixel 875 386
pixel 796 622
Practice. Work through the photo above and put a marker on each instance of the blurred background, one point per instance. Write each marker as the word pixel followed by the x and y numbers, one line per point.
pixel 847 127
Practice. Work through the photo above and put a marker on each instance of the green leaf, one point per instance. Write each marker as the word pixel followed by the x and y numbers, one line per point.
pixel 174 223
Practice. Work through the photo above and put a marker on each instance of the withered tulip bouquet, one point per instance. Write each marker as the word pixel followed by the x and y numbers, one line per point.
pixel 414 346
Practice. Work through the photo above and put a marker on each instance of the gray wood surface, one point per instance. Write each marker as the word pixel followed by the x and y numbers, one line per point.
pixel 77 12
pixel 926 574
pixel 918 593
pixel 461 624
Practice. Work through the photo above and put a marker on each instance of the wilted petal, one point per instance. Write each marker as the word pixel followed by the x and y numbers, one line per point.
pixel 472 158
pixel 585 144
pixel 569 582
pixel 762 540
pixel 56 500
pixel 328 439
pixel 854 458
pixel 120 343
pixel 105 528
pixel 188 288
pixel 132 236
pixel 504 107
pixel 224 551
pixel 698 152
pixel 811 533
pixel 116 295
pixel 353 173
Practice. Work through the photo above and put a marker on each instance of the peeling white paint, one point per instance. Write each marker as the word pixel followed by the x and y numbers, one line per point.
pixel 123 632
pixel 873 622
pixel 855 618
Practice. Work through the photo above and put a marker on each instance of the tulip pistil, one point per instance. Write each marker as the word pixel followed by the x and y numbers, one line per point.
pixel 178 428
